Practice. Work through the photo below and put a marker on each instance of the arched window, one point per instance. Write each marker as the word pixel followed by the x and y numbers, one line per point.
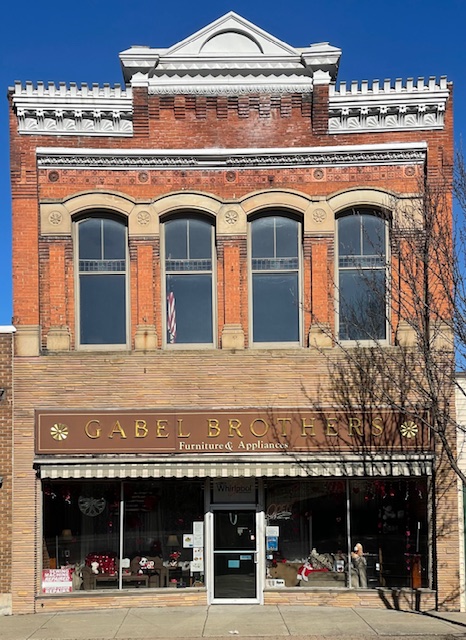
pixel 362 275
pixel 102 290
pixel 275 268
pixel 188 247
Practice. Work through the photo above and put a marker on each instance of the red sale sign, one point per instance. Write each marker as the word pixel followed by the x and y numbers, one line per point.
pixel 57 580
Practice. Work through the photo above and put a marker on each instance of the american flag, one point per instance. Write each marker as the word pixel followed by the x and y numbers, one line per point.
pixel 171 317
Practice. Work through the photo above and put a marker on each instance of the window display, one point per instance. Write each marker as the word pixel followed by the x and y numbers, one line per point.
pixel 344 533
pixel 82 527
pixel 381 525
pixel 389 518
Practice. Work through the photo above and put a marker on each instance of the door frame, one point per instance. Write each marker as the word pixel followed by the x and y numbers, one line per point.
pixel 260 551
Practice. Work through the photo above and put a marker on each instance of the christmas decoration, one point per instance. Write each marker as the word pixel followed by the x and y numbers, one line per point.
pixel 91 506
pixel 102 563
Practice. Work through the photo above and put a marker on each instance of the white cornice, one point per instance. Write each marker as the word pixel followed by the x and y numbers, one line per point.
pixel 227 84
pixel 221 159
pixel 72 109
pixel 388 105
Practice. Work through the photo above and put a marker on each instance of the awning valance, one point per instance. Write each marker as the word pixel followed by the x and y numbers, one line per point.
pixel 419 465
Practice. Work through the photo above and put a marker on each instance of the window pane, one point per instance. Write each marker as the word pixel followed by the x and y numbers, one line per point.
pixel 349 234
pixel 389 519
pixel 81 527
pixel 102 309
pixel 287 237
pixel 81 531
pixel 176 239
pixel 362 304
pixel 311 517
pixel 373 236
pixel 200 239
pixel 262 238
pixel 157 515
pixel 275 307
pixel 192 307
pixel 90 246
pixel 114 240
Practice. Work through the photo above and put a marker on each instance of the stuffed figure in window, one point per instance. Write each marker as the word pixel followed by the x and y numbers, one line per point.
pixel 304 571
pixel 358 567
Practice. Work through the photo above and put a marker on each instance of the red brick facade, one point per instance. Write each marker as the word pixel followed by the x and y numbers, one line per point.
pixel 50 369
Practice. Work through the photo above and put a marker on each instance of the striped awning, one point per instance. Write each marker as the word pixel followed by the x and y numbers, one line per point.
pixel 349 467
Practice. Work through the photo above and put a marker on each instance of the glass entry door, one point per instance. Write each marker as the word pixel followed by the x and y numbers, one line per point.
pixel 235 554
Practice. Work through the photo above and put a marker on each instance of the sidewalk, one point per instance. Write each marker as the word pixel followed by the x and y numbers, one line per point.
pixel 222 621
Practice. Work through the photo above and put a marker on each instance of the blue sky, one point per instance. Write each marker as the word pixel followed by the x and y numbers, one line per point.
pixel 80 42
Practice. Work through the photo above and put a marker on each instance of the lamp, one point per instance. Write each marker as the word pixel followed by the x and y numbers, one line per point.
pixel 64 538
pixel 173 541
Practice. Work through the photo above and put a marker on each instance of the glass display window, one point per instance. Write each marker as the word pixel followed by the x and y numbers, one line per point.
pixel 119 535
pixel 361 534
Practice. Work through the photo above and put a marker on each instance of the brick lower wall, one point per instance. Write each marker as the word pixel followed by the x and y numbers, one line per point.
pixel 121 600
pixel 403 600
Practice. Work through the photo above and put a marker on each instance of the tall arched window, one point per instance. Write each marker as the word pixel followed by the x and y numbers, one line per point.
pixel 275 267
pixel 102 268
pixel 188 246
pixel 362 275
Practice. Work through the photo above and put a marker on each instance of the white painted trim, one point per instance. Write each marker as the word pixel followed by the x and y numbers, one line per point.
pixel 222 152
pixel 227 85
pixel 231 159
pixel 7 329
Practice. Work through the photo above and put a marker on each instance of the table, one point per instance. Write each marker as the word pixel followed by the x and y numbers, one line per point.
pixel 127 578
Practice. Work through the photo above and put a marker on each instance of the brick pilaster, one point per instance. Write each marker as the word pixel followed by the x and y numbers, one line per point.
pixel 320 109
pixel 140 112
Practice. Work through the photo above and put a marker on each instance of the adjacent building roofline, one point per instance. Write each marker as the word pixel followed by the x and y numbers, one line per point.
pixel 7 329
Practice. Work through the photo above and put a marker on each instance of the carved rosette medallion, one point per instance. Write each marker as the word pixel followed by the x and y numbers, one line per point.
pixel 55 218
pixel 231 217
pixel 318 174
pixel 319 215
pixel 143 218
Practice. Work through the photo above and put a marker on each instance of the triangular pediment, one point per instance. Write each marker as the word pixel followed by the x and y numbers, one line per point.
pixel 230 55
pixel 231 35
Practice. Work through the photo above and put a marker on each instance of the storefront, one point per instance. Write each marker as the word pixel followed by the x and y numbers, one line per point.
pixel 236 505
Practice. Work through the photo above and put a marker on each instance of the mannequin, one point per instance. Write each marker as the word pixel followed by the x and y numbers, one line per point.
pixel 358 567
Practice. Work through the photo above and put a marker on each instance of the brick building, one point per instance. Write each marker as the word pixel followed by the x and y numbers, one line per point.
pixel 190 252
pixel 6 463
